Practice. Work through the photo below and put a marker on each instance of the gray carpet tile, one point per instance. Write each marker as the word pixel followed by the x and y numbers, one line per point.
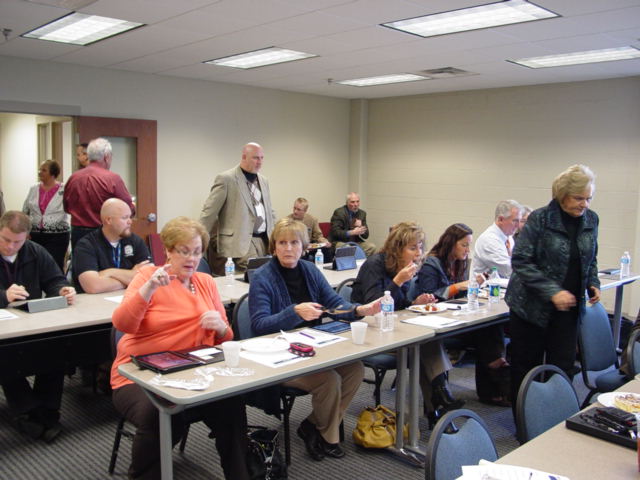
pixel 83 449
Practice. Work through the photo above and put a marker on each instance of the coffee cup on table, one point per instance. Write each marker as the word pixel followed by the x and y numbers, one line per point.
pixel 358 332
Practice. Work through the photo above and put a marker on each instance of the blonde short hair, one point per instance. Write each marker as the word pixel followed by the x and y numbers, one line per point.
pixel 401 235
pixel 183 230
pixel 289 226
pixel 573 181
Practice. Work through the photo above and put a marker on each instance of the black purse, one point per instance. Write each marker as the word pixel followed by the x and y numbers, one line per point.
pixel 264 459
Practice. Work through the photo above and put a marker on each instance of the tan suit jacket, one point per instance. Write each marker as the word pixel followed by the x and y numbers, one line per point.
pixel 313 227
pixel 230 207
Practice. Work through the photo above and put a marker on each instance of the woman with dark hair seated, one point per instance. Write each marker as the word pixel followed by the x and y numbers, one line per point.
pixel 445 274
pixel 287 293
pixel 173 307
pixel 392 269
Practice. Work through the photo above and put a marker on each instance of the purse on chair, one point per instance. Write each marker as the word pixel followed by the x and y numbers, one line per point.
pixel 376 428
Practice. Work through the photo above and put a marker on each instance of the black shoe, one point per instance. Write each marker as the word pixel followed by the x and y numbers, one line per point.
pixel 29 426
pixel 307 432
pixel 51 433
pixel 442 397
pixel 331 449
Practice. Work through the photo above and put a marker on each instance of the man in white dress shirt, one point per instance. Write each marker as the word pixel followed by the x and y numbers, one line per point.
pixel 494 246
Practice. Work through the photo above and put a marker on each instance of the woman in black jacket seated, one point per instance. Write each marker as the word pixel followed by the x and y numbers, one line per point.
pixel 445 274
pixel 392 269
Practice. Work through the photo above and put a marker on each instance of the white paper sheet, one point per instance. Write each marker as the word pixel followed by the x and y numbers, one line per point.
pixel 435 322
pixel 273 360
pixel 493 471
pixel 115 299
pixel 315 338
pixel 7 315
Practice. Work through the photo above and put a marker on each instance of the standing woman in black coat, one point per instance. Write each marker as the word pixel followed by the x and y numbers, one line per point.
pixel 554 263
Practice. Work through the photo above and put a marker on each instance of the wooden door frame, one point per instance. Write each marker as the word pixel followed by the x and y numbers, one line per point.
pixel 145 132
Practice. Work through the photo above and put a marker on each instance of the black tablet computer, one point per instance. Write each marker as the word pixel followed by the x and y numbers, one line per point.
pixel 344 259
pixel 174 361
pixel 335 326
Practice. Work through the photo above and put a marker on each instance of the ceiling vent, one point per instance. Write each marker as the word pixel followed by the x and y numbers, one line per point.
pixel 447 72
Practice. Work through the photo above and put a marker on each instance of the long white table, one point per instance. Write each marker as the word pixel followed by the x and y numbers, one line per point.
pixel 55 339
pixel 405 338
pixel 232 293
pixel 577 455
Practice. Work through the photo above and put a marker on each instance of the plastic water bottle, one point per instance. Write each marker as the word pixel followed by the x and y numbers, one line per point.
pixel 387 307
pixel 229 272
pixel 319 258
pixel 472 293
pixel 493 283
pixel 625 265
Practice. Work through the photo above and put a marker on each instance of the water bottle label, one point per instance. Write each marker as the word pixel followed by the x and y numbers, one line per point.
pixel 386 308
pixel 494 290
pixel 474 291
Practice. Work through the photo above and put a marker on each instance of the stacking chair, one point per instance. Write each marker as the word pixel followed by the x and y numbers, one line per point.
pixel 633 354
pixel 451 448
pixel 598 353
pixel 203 266
pixel 241 324
pixel 546 397
pixel 121 430
pixel 380 362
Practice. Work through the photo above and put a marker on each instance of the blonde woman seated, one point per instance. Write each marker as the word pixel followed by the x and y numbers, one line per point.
pixel 392 269
pixel 173 307
pixel 287 293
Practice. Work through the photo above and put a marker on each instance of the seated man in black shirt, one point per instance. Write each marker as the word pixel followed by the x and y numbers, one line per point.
pixel 28 271
pixel 108 258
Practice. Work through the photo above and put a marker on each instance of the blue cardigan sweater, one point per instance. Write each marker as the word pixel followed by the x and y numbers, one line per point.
pixel 270 305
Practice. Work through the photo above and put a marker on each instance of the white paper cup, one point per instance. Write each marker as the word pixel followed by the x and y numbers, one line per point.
pixel 231 352
pixel 358 332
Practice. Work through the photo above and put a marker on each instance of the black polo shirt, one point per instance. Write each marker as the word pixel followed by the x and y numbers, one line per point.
pixel 94 253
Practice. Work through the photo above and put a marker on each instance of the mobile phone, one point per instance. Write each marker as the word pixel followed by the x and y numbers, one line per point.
pixel 301 349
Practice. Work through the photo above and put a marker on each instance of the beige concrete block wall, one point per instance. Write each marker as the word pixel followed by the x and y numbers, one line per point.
pixel 445 158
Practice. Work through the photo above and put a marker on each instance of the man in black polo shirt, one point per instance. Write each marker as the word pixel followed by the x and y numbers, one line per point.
pixel 107 259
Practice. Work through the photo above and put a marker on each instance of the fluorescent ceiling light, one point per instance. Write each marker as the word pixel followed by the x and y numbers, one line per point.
pixel 383 80
pixel 577 58
pixel 81 29
pixel 473 18
pixel 260 58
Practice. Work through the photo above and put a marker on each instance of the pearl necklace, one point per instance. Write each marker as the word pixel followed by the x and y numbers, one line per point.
pixel 192 287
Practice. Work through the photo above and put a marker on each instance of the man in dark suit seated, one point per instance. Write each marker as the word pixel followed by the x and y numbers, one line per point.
pixel 349 224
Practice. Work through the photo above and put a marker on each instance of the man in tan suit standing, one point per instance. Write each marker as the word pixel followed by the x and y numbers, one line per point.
pixel 239 209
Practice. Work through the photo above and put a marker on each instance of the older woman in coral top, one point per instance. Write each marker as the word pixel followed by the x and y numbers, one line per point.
pixel 174 307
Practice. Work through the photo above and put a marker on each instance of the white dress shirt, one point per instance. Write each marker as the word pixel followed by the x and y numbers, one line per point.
pixel 490 250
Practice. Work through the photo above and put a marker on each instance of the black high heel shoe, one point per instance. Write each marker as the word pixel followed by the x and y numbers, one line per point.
pixel 441 397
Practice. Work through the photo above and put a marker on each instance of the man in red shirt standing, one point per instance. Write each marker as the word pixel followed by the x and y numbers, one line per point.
pixel 88 188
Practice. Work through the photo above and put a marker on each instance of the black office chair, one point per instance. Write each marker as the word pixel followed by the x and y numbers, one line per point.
pixel 121 430
pixel 241 324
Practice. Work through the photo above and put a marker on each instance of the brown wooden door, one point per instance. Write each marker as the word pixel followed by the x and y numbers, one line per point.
pixel 144 133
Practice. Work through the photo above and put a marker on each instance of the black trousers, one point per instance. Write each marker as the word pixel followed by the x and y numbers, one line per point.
pixel 46 394
pixel 226 418
pixel 489 343
pixel 532 345
pixel 56 244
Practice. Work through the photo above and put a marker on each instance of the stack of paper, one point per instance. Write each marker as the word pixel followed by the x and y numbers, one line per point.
pixel 494 471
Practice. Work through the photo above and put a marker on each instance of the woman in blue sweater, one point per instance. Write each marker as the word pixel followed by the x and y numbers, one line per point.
pixel 287 293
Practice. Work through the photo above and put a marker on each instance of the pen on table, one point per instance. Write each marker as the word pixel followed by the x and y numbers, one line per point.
pixel 307 335
pixel 285 360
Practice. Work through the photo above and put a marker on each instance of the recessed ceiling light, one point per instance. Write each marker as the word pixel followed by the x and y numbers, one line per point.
pixel 473 18
pixel 260 58
pixel 577 58
pixel 81 29
pixel 383 80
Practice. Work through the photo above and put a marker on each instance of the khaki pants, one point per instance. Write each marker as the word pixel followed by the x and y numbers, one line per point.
pixel 331 393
